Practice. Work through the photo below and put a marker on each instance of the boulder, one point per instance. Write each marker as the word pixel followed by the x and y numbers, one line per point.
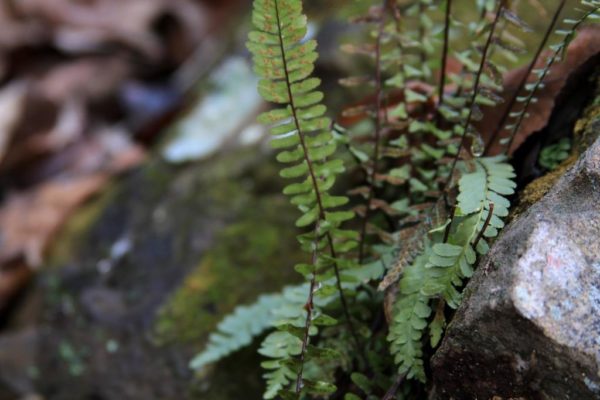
pixel 530 322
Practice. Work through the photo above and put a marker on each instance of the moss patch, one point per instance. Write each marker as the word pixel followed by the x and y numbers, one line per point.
pixel 539 187
pixel 251 256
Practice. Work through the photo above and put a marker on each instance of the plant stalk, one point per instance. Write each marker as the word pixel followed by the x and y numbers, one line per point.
pixel 467 123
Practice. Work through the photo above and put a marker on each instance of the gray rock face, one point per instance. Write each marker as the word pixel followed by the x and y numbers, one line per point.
pixel 530 322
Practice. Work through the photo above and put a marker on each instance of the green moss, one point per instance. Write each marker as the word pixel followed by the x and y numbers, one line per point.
pixel 587 129
pixel 251 256
pixel 539 187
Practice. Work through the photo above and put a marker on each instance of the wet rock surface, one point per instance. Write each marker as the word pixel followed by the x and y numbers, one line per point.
pixel 530 322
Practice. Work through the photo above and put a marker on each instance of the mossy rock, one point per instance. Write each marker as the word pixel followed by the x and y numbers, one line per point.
pixel 141 277
pixel 585 132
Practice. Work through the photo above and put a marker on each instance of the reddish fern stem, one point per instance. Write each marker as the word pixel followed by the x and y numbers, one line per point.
pixel 475 92
pixel 444 55
pixel 376 135
pixel 422 52
pixel 391 393
pixel 523 82
pixel 449 226
pixel 488 218
pixel 309 306
pixel 314 181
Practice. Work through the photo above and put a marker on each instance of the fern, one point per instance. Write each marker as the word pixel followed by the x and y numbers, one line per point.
pixel 431 205
pixel 284 62
pixel 440 270
pixel 482 198
pixel 411 312
pixel 591 11
pixel 552 155
pixel 238 329
pixel 246 322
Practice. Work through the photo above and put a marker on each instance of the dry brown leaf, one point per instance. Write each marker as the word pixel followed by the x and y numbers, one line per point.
pixel 30 219
pixel 16 32
pixel 12 99
pixel 30 143
pixel 88 79
pixel 87 26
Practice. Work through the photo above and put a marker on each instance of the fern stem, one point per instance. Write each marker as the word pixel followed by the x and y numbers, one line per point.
pixel 422 52
pixel 391 393
pixel 523 82
pixel 485 225
pixel 449 226
pixel 545 72
pixel 313 178
pixel 444 56
pixel 309 311
pixel 376 135
pixel 467 123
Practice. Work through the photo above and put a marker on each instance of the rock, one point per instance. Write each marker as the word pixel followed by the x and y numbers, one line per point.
pixel 141 277
pixel 530 322
pixel 17 362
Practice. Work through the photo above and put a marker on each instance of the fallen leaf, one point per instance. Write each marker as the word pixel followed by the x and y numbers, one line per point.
pixel 89 79
pixel 79 26
pixel 12 99
pixel 30 219
pixel 17 32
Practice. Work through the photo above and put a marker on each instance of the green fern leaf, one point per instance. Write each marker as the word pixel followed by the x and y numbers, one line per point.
pixel 411 311
pixel 480 192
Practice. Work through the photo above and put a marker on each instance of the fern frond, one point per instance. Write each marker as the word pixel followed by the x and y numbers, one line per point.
pixel 448 259
pixel 238 329
pixel 246 322
pixel 473 111
pixel 285 61
pixel 592 11
pixel 437 325
pixel 411 312
pixel 482 204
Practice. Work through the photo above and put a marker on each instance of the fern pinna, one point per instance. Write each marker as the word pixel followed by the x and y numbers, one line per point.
pixel 285 62
pixel 442 201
